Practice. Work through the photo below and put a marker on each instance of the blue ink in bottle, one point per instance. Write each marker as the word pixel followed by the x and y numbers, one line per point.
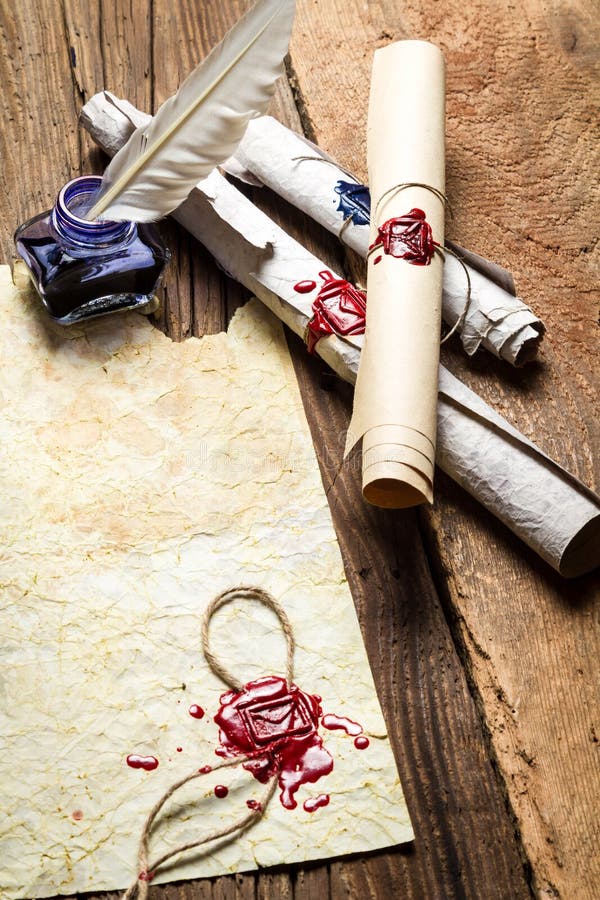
pixel 355 202
pixel 82 268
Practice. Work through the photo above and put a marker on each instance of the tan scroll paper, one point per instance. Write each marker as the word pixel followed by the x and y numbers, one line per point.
pixel 395 401
pixel 140 478
pixel 549 509
pixel 311 180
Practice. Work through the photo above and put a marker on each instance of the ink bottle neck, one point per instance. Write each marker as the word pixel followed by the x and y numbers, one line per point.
pixel 78 234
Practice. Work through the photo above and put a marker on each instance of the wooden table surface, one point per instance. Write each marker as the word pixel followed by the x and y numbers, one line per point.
pixel 485 660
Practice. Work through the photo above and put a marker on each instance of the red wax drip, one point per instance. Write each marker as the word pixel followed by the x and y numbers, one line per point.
pixel 205 770
pixel 340 308
pixel 221 791
pixel 407 237
pixel 277 726
pixel 314 803
pixel 195 711
pixel 377 260
pixel 146 876
pixel 77 815
pixel 361 743
pixel 305 287
pixel 254 804
pixel 179 749
pixel 142 762
pixel 334 723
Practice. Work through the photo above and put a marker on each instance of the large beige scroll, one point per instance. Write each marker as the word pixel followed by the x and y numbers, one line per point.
pixel 396 393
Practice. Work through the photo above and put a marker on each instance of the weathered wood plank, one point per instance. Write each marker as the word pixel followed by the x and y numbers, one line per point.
pixel 39 152
pixel 522 153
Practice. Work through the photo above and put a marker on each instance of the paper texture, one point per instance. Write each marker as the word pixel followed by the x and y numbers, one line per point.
pixel 552 512
pixel 139 479
pixel 396 389
pixel 285 162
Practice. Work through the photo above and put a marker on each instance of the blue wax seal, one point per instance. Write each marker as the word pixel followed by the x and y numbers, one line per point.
pixel 355 202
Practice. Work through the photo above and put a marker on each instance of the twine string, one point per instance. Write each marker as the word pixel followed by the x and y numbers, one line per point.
pixel 391 192
pixel 259 596
pixel 330 162
pixel 385 197
pixel 348 219
pixel 462 318
pixel 396 188
pixel 147 870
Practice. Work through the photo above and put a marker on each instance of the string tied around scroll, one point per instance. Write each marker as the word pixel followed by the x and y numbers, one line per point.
pixel 420 253
pixel 435 248
pixel 147 868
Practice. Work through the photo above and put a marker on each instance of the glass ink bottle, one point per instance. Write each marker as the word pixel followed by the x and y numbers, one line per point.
pixel 87 268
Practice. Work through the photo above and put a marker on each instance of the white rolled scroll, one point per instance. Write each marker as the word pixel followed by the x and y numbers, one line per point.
pixel 308 178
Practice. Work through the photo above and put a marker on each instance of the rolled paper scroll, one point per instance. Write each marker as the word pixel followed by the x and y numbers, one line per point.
pixel 308 178
pixel 395 400
pixel 549 509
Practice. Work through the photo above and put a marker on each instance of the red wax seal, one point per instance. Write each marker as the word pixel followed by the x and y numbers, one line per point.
pixel 407 237
pixel 277 726
pixel 340 308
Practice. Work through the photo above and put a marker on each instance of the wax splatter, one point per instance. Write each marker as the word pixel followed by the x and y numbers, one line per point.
pixel 221 791
pixel 305 287
pixel 142 762
pixel 361 743
pixel 341 723
pixel 254 804
pixel 196 712
pixel 205 769
pixel 146 876
pixel 77 815
pixel 314 803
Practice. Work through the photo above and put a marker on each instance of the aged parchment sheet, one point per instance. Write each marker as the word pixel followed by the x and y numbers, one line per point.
pixel 139 478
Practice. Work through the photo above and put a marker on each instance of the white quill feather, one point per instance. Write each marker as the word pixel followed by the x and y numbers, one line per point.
pixel 201 125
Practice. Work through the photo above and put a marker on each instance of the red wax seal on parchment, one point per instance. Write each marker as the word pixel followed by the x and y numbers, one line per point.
pixel 340 308
pixel 278 727
pixel 407 237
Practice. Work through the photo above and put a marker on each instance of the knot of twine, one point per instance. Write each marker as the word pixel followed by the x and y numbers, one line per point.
pixel 147 869
pixel 387 195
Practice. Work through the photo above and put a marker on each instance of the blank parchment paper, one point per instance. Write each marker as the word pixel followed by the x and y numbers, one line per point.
pixel 139 478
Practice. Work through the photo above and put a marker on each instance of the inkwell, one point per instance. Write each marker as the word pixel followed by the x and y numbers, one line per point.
pixel 96 251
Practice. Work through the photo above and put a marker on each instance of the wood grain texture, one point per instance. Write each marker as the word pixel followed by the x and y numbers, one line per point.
pixel 485 661
pixel 522 145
